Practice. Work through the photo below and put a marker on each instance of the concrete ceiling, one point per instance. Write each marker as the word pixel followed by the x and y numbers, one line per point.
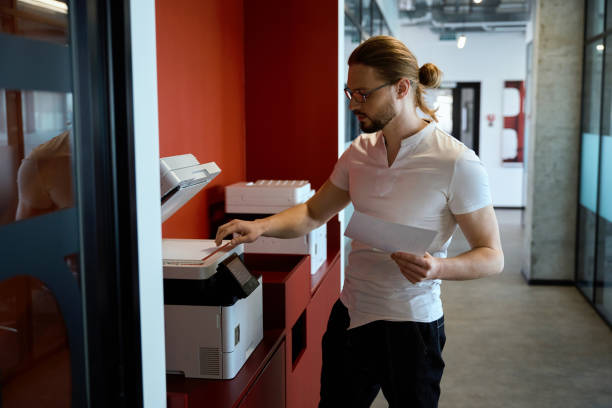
pixel 452 16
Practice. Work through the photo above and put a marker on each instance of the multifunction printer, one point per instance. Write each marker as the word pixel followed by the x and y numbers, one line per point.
pixel 213 304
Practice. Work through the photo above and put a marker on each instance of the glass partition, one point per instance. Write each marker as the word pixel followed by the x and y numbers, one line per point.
pixel 594 223
pixel 35 349
pixel 589 168
pixel 41 321
pixel 594 17
pixel 603 266
pixel 36 19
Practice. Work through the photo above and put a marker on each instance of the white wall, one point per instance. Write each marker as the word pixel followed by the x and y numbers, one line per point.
pixel 491 59
pixel 146 141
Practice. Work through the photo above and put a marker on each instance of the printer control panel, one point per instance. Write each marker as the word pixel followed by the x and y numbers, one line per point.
pixel 239 272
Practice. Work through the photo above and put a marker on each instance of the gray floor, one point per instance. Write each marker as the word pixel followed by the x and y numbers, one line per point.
pixel 514 345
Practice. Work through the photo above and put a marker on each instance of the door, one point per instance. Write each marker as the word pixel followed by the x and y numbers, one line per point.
pixel 466 114
pixel 458 110
pixel 69 322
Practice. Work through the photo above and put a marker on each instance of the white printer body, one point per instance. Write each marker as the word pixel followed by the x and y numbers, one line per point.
pixel 270 197
pixel 211 329
pixel 206 341
pixel 266 196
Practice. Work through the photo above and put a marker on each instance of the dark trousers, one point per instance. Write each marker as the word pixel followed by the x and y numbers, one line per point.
pixel 402 358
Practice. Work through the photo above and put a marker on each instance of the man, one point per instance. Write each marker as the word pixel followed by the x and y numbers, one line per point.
pixel 44 178
pixel 387 329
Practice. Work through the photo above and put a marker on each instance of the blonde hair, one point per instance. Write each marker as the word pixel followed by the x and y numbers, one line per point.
pixel 393 61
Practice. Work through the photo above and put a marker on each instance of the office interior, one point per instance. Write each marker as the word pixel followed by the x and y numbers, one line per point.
pixel 95 96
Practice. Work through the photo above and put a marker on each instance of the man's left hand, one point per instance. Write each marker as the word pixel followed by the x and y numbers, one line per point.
pixel 417 268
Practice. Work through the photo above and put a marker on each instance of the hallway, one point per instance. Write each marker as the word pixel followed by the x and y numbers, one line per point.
pixel 514 345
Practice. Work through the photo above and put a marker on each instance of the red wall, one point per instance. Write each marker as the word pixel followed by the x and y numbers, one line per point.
pixel 267 69
pixel 291 56
pixel 291 60
pixel 200 68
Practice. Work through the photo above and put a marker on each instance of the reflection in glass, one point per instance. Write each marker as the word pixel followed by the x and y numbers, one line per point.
pixel 603 284
pixel 44 179
pixel 35 357
pixel 3 126
pixel 594 18
pixel 35 154
pixel 587 218
pixel 9 159
pixel 45 20
pixel 35 160
pixel 351 7
pixel 45 115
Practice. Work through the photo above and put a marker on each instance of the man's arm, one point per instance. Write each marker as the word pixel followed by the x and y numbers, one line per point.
pixel 293 222
pixel 483 259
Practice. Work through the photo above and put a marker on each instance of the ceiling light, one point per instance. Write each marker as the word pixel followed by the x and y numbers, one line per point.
pixel 477 1
pixel 461 41
pixel 51 5
pixel 599 47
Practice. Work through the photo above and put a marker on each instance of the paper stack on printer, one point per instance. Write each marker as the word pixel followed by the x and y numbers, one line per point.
pixel 248 200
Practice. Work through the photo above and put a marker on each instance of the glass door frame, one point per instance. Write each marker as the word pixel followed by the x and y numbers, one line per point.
pixel 105 179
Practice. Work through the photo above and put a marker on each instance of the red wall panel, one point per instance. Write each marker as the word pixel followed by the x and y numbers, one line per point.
pixel 200 68
pixel 291 62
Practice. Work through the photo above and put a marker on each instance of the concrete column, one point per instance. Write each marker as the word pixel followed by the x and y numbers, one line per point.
pixel 553 145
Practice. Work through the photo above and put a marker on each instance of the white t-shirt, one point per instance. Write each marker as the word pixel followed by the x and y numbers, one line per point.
pixel 433 177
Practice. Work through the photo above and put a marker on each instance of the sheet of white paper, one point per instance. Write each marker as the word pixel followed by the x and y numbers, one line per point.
pixel 388 236
pixel 188 250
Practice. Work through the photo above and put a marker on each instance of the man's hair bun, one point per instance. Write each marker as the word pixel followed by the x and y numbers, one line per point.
pixel 430 76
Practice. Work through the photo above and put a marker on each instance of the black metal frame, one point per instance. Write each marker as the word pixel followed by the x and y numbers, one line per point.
pixel 587 41
pixel 100 34
pixel 457 111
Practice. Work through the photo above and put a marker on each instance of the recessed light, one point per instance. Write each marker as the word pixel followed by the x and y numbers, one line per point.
pixel 461 41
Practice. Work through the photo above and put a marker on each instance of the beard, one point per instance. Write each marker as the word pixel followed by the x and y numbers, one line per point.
pixel 379 121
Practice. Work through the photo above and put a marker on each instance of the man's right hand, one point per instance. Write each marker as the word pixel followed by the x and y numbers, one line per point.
pixel 292 222
pixel 246 231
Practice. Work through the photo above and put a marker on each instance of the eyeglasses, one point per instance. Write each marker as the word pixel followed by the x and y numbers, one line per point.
pixel 361 97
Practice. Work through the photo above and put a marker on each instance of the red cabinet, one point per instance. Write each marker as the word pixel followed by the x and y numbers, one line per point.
pixel 317 315
pixel 269 389
pixel 301 303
